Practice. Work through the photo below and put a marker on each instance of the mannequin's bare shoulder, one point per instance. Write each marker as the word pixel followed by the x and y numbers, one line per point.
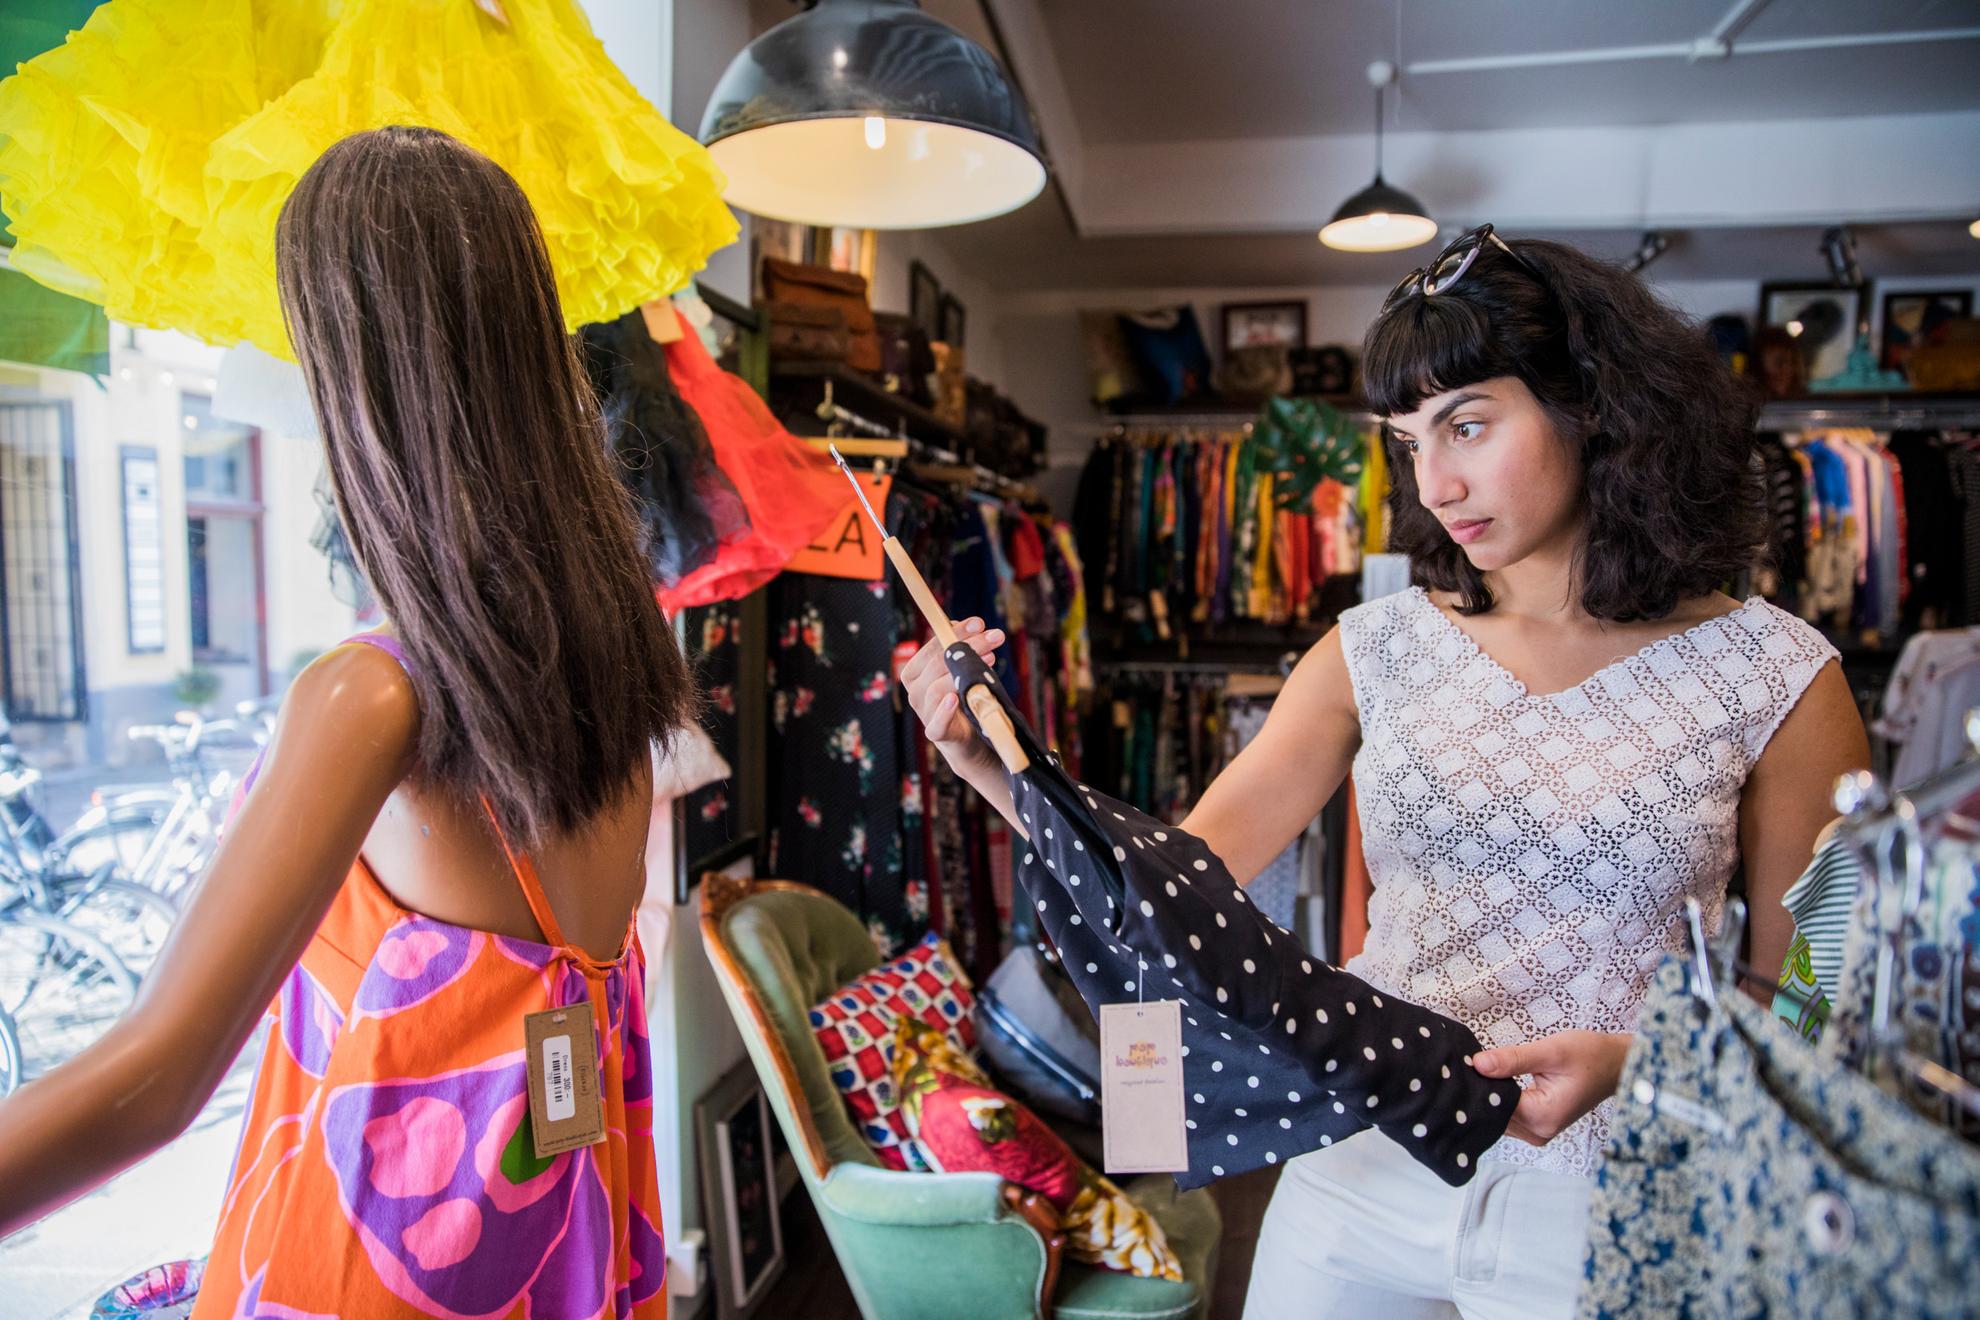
pixel 353 697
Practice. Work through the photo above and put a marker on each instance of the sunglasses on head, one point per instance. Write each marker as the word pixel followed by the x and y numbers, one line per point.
pixel 1449 267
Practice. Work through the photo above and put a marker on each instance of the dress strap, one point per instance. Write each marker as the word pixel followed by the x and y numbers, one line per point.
pixel 532 887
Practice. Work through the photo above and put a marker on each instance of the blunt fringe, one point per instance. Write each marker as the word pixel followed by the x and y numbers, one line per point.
pixel 1672 498
pixel 468 460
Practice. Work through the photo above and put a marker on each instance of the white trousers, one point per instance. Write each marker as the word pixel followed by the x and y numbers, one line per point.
pixel 1361 1229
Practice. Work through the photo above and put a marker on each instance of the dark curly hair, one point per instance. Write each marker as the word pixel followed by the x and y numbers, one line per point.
pixel 1673 501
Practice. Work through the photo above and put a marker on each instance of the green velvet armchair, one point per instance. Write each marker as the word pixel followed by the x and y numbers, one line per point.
pixel 913 1245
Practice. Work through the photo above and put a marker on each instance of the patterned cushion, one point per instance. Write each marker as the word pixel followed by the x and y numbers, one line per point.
pixel 855 1028
pixel 961 1124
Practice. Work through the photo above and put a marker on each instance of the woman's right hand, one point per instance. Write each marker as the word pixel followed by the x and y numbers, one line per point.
pixel 933 696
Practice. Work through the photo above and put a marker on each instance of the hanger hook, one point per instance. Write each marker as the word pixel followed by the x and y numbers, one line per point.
pixel 1702 981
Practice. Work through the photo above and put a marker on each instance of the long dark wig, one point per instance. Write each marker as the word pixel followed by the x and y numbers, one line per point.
pixel 467 458
pixel 1671 499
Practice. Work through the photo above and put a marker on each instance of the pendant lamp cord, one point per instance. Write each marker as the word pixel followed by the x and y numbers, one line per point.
pixel 1378 135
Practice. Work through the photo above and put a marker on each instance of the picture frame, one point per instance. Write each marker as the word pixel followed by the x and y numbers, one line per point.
pixel 839 247
pixel 1912 316
pixel 783 239
pixel 1265 325
pixel 925 299
pixel 739 1197
pixel 1822 317
pixel 954 322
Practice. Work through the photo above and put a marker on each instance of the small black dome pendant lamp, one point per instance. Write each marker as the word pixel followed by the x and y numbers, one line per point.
pixel 1379 218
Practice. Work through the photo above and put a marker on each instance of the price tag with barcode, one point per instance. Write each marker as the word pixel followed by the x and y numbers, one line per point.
pixel 566 1108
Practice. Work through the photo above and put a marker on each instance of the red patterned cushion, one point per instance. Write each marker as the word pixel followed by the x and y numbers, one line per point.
pixel 973 1129
pixel 855 1028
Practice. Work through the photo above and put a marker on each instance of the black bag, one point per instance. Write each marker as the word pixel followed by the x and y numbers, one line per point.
pixel 1039 1037
pixel 906 358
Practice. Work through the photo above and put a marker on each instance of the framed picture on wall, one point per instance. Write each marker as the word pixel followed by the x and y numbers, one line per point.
pixel 954 321
pixel 782 239
pixel 1264 325
pixel 925 299
pixel 739 1197
pixel 842 248
pixel 1913 317
pixel 1821 318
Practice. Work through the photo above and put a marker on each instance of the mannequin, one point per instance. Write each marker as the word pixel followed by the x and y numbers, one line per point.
pixel 446 834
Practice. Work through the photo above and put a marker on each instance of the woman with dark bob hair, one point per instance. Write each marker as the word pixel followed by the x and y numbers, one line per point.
pixel 429 884
pixel 1560 735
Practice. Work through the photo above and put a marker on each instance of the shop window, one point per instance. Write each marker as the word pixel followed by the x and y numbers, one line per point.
pixel 219 454
pixel 41 662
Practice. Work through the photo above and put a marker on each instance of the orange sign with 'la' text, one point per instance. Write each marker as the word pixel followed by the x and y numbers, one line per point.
pixel 849 547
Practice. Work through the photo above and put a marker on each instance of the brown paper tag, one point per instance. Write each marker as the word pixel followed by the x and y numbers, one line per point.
pixel 663 325
pixel 1142 1129
pixel 566 1109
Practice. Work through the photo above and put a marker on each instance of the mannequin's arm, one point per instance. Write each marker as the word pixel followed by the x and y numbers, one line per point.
pixel 343 743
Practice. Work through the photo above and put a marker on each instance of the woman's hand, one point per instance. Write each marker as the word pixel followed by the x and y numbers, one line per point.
pixel 1573 1071
pixel 932 694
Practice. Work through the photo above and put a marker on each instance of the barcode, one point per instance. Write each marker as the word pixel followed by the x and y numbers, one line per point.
pixel 559 1096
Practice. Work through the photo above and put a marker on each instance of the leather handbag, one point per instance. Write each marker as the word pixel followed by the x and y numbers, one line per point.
pixel 823 287
pixel 1039 1037
pixel 801 332
pixel 1256 372
pixel 1328 370
pixel 951 385
pixel 907 359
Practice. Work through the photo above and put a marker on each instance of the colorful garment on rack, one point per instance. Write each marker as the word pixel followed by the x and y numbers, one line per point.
pixel 145 160
pixel 1924 707
pixel 1820 900
pixel 386 1165
pixel 713 813
pixel 1747 1176
pixel 1934 979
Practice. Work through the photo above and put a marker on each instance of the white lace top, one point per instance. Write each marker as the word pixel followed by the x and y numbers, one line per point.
pixel 1530 855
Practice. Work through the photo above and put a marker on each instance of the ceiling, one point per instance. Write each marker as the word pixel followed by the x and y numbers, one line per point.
pixel 1178 70
pixel 1140 73
pixel 1035 249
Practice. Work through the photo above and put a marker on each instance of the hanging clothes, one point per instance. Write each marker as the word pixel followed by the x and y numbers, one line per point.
pixel 834 746
pixel 688 509
pixel 791 493
pixel 1747 1176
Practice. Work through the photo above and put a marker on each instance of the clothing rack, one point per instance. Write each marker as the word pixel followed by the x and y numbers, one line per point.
pixel 1882 412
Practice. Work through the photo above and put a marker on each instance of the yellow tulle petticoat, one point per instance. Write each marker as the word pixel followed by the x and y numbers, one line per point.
pixel 143 163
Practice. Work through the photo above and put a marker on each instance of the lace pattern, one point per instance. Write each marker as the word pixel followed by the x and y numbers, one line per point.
pixel 1530 855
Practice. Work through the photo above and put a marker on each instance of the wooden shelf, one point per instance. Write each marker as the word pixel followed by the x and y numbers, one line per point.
pixel 797 388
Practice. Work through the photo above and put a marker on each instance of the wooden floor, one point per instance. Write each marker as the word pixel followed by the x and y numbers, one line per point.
pixel 813 1287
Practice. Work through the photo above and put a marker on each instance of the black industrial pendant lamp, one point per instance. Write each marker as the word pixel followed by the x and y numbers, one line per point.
pixel 871 114
pixel 1379 218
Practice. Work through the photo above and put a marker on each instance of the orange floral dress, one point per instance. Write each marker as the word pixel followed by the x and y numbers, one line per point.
pixel 387 1168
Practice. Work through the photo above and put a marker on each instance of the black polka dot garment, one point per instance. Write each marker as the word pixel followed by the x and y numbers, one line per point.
pixel 1282 1053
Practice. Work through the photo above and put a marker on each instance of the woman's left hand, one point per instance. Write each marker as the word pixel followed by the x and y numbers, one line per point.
pixel 1573 1071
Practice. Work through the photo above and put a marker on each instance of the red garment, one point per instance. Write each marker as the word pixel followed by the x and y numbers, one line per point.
pixel 792 493
pixel 1903 527
pixel 1026 549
